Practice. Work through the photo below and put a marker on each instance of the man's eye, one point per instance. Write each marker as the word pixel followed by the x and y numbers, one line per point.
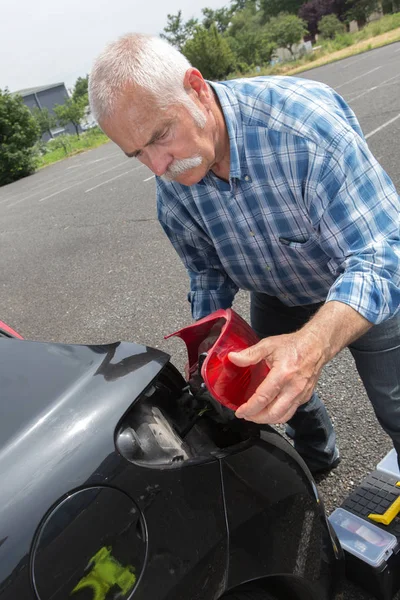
pixel 164 135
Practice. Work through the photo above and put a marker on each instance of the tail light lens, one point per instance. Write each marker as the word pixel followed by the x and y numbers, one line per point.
pixel 216 335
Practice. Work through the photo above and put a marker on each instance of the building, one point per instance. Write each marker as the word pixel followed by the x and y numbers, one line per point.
pixel 47 96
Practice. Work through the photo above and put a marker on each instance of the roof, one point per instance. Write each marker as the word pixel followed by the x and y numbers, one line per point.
pixel 40 88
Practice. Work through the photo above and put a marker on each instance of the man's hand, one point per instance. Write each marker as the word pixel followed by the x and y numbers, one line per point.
pixel 295 361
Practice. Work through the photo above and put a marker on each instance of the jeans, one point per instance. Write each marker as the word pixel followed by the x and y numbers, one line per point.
pixel 377 358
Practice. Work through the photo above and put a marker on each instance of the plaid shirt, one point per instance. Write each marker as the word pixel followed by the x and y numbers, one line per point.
pixel 308 214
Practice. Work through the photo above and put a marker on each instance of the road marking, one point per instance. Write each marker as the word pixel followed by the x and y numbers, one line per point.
pixel 373 88
pixel 148 179
pixel 51 182
pixel 396 51
pixel 350 64
pixel 112 179
pixel 104 157
pixel 371 133
pixel 337 87
pixel 66 188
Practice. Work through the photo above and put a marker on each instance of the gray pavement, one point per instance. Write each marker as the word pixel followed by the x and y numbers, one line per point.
pixel 84 260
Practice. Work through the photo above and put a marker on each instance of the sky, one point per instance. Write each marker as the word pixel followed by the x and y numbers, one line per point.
pixel 48 41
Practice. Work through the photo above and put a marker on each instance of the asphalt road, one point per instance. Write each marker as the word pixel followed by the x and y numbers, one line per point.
pixel 83 259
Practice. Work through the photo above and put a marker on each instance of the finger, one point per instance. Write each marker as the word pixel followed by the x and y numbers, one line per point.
pixel 249 356
pixel 266 392
pixel 280 411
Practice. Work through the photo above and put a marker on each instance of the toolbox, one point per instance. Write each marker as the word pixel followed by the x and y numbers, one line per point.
pixel 368 527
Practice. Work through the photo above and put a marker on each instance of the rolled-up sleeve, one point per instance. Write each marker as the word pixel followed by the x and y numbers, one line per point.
pixel 356 212
pixel 210 287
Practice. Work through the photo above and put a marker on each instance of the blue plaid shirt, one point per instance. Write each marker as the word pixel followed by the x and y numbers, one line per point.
pixel 308 214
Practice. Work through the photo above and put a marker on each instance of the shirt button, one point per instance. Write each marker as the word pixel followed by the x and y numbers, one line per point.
pixel 247 178
pixel 267 267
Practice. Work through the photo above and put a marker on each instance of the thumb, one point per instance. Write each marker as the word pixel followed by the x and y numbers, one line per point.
pixel 249 356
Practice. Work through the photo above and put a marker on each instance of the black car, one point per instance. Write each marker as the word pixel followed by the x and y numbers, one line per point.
pixel 118 481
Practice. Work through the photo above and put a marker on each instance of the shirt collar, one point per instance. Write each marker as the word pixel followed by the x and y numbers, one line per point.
pixel 234 125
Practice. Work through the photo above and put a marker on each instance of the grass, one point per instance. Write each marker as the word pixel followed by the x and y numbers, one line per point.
pixel 68 145
pixel 374 35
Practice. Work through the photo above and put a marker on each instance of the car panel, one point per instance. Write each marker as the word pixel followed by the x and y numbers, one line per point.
pixel 110 443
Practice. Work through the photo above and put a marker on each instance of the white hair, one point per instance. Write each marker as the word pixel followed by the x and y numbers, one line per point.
pixel 146 61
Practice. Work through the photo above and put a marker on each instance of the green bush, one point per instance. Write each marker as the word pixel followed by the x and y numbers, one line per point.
pixel 330 26
pixel 19 133
pixel 210 52
pixel 343 40
pixel 62 141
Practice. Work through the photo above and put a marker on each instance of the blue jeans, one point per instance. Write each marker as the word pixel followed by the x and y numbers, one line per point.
pixel 377 358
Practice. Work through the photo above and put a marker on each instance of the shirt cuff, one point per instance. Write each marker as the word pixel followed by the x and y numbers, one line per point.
pixel 204 303
pixel 366 294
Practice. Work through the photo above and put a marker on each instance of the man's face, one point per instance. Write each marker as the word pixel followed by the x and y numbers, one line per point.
pixel 168 141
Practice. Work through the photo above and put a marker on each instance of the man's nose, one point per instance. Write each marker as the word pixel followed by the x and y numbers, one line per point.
pixel 159 162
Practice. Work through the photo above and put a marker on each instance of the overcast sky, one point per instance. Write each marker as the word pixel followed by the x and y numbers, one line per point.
pixel 48 41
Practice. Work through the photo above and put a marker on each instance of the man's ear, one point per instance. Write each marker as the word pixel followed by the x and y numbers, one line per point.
pixel 194 81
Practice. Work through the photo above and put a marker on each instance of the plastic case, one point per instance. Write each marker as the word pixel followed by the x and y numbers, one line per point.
pixel 372 549
pixel 389 464
pixel 362 539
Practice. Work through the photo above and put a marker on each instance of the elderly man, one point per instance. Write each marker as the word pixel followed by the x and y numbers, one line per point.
pixel 268 185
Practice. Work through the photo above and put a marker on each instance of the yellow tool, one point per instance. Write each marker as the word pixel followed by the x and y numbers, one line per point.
pixel 389 514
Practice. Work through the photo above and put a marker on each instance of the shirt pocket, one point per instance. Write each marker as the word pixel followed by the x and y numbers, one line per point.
pixel 302 243
pixel 300 251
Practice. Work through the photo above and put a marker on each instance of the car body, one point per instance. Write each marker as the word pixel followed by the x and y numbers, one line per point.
pixel 118 482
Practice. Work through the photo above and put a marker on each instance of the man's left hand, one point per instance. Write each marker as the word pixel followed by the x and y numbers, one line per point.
pixel 295 361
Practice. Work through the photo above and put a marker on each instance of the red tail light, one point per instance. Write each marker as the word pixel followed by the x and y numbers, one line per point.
pixel 218 334
pixel 6 331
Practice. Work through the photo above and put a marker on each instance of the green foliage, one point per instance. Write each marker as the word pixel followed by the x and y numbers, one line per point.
pixel 177 32
pixel 19 132
pixel 286 30
pixel 209 52
pixel 387 23
pixel 61 141
pixel 342 40
pixel 45 119
pixel 360 11
pixel 221 17
pixel 272 8
pixel 68 145
pixel 72 111
pixel 251 48
pixel 330 26
pixel 248 39
pixel 390 6
pixel 81 89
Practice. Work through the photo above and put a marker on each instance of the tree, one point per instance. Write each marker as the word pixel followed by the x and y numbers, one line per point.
pixel 360 10
pixel 71 112
pixel 209 52
pixel 19 132
pixel 330 26
pixel 286 30
pixel 177 32
pixel 45 120
pixel 221 17
pixel 272 8
pixel 313 11
pixel 248 39
pixel 81 89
